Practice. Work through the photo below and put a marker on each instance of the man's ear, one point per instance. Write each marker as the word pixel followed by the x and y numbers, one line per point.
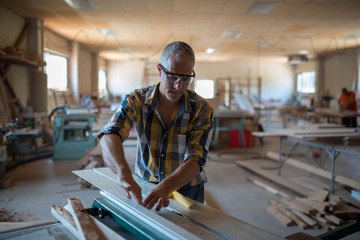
pixel 159 69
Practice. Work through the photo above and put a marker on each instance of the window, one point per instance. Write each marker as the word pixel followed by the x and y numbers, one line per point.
pixel 204 88
pixel 102 82
pixel 56 69
pixel 306 82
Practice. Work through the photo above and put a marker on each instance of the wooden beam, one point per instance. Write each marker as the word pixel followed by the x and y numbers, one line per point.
pixel 63 216
pixel 317 171
pixel 300 190
pixel 280 216
pixel 85 225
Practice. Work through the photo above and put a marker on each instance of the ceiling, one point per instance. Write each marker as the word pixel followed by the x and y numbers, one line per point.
pixel 144 27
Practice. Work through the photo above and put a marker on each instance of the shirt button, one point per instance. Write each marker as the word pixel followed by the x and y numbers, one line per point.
pixel 162 155
pixel 162 172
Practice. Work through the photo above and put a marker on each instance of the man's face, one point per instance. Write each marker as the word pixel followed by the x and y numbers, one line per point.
pixel 173 91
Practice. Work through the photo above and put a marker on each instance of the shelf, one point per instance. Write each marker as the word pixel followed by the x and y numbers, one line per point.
pixel 20 61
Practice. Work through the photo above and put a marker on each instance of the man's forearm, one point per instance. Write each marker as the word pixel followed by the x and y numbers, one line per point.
pixel 113 153
pixel 182 175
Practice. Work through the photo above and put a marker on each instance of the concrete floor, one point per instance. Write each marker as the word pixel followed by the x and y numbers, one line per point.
pixel 39 184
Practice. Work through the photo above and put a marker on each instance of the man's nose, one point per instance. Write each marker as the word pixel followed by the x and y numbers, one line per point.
pixel 178 84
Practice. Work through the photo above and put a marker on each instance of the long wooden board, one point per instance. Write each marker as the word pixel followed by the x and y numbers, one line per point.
pixel 303 191
pixel 317 171
pixel 230 226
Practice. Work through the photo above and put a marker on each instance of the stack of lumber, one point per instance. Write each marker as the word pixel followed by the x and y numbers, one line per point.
pixel 82 225
pixel 299 205
pixel 320 210
pixel 92 159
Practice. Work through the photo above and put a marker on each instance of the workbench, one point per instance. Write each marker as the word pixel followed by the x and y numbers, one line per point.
pixel 197 222
pixel 315 138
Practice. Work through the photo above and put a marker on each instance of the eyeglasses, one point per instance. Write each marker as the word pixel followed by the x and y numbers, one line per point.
pixel 174 77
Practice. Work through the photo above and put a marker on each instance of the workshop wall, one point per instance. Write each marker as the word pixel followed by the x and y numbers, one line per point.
pixel 340 71
pixel 18 76
pixel 125 76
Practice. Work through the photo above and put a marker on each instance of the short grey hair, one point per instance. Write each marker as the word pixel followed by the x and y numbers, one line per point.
pixel 180 51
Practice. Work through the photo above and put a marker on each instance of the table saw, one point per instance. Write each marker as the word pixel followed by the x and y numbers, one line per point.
pixel 129 220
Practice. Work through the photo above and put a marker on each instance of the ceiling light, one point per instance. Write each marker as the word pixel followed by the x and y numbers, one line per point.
pixel 231 34
pixel 210 50
pixel 261 7
pixel 265 45
pixel 124 49
pixel 297 59
pixel 302 52
pixel 81 5
pixel 107 31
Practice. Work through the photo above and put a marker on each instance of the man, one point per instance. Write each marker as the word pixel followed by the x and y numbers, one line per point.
pixel 174 127
pixel 347 101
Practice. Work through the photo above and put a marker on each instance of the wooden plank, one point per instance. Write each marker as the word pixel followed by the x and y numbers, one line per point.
pixel 308 220
pixel 293 217
pixel 320 195
pixel 232 227
pixel 280 216
pixel 300 190
pixel 301 236
pixel 303 166
pixel 314 205
pixel 299 206
pixel 268 186
pixel 63 216
pixel 335 220
pixel 86 227
pixel 317 171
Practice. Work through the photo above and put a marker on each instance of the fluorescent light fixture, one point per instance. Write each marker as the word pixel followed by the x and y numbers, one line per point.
pixel 81 5
pixel 231 34
pixel 210 50
pixel 107 31
pixel 297 59
pixel 265 45
pixel 261 7
pixel 351 36
pixel 302 52
pixel 124 49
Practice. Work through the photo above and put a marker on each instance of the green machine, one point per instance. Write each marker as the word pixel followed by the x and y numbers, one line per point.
pixel 73 135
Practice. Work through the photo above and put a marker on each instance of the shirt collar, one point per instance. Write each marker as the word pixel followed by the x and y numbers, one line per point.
pixel 152 98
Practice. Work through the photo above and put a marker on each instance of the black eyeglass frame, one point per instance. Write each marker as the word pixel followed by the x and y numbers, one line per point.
pixel 177 74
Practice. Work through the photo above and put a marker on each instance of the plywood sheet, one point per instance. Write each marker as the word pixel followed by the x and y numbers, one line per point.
pixel 219 221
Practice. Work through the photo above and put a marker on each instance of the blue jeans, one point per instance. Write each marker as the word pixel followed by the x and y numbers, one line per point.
pixel 195 193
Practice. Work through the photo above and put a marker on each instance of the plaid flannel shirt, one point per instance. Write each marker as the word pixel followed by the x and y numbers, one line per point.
pixel 160 151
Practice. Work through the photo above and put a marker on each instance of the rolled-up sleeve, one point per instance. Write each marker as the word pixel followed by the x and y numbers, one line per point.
pixel 122 120
pixel 200 136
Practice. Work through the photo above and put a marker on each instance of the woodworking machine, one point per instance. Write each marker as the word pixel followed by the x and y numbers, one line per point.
pixel 130 220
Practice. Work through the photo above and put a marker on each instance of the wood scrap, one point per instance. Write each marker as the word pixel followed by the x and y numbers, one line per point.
pixel 301 236
pixel 268 186
pixel 280 216
pixel 320 195
pixel 315 211
pixel 85 225
pixel 63 216
pixel 293 217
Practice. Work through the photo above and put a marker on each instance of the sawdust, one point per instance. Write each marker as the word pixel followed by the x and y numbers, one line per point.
pixel 9 216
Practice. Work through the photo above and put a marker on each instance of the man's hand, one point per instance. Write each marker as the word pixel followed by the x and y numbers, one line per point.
pixel 159 195
pixel 132 189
